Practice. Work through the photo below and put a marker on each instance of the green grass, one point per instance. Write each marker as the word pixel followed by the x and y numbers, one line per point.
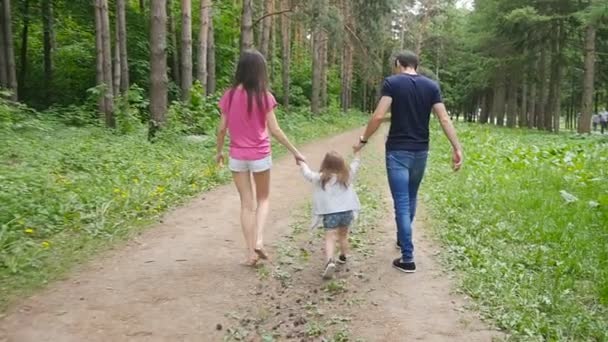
pixel 526 225
pixel 67 192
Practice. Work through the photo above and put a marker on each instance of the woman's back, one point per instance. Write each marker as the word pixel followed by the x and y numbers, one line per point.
pixel 249 138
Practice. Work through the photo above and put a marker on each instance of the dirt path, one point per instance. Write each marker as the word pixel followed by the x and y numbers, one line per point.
pixel 180 280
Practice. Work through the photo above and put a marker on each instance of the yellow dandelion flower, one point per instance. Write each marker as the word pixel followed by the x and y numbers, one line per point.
pixel 135 180
pixel 29 230
pixel 116 190
pixel 45 244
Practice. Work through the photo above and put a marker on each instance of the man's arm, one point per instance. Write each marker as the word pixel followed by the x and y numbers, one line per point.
pixel 450 132
pixel 377 118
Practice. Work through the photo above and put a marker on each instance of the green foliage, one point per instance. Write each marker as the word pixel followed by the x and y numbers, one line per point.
pixel 67 191
pixel 199 116
pixel 525 222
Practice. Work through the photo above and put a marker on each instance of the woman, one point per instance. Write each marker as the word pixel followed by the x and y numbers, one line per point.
pixel 248 115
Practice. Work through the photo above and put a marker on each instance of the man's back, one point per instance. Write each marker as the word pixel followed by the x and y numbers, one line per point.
pixel 413 97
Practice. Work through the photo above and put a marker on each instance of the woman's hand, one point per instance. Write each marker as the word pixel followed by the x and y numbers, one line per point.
pixel 219 159
pixel 299 158
pixel 457 159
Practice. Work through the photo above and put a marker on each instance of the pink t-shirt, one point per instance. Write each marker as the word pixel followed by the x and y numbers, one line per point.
pixel 249 138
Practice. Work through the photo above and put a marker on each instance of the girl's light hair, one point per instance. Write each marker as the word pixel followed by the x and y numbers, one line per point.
pixel 334 164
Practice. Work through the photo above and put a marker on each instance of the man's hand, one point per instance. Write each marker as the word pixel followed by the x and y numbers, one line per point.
pixel 457 159
pixel 357 148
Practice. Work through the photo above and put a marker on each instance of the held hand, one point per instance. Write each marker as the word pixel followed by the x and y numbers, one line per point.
pixel 457 159
pixel 357 148
pixel 219 159
pixel 299 158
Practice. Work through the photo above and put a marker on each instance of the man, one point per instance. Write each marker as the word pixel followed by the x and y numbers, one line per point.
pixel 410 97
pixel 595 120
pixel 604 120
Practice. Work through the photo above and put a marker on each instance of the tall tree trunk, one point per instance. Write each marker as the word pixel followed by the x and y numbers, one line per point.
pixel 512 103
pixel 186 66
pixel 533 103
pixel 49 37
pixel 3 49
pixel 24 46
pixel 211 81
pixel 142 6
pixel 584 125
pixel 116 60
pixel 266 28
pixel 318 41
pixel 175 70
pixel 158 65
pixel 247 26
pixel 285 50
pixel 107 64
pixel 11 69
pixel 498 110
pixel 523 112
pixel 203 46
pixel 347 58
pixel 99 55
pixel 556 79
pixel 324 70
pixel 542 89
pixel 121 19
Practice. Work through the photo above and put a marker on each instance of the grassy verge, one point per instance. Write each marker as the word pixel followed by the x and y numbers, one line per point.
pixel 68 192
pixel 526 223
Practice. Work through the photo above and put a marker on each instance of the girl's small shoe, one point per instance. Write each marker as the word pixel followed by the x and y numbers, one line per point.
pixel 330 268
pixel 342 259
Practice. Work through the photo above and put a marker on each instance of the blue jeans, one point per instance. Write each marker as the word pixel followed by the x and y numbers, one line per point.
pixel 405 170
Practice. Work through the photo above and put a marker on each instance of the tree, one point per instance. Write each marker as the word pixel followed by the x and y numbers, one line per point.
pixel 347 57
pixel 186 65
pixel 211 80
pixel 587 100
pixel 266 27
pixel 247 26
pixel 175 69
pixel 203 46
pixel 104 61
pixel 318 53
pixel 122 43
pixel 49 43
pixel 8 75
pixel 285 50
pixel 158 64
pixel 24 45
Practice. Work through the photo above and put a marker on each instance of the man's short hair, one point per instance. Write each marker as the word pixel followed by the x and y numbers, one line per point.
pixel 407 59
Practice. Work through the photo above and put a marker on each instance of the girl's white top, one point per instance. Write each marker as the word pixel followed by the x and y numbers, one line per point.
pixel 335 198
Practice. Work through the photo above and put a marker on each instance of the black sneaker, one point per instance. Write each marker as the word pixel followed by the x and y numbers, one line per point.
pixel 342 259
pixel 407 267
pixel 330 268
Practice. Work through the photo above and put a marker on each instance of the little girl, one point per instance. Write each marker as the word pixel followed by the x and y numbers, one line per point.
pixel 335 202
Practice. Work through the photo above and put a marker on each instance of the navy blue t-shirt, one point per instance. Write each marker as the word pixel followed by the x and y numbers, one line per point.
pixel 413 99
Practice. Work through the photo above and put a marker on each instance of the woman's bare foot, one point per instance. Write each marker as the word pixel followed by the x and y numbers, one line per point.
pixel 261 253
pixel 251 261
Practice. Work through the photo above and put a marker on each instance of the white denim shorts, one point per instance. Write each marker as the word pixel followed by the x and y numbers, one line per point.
pixel 260 165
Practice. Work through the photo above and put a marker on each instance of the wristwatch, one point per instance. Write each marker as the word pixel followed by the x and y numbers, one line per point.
pixel 361 140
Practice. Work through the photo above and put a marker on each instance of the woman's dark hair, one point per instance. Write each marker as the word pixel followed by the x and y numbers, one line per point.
pixel 252 76
pixel 407 59
pixel 334 164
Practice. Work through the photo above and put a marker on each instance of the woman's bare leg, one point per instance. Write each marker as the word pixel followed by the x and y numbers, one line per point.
pixel 262 193
pixel 242 180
